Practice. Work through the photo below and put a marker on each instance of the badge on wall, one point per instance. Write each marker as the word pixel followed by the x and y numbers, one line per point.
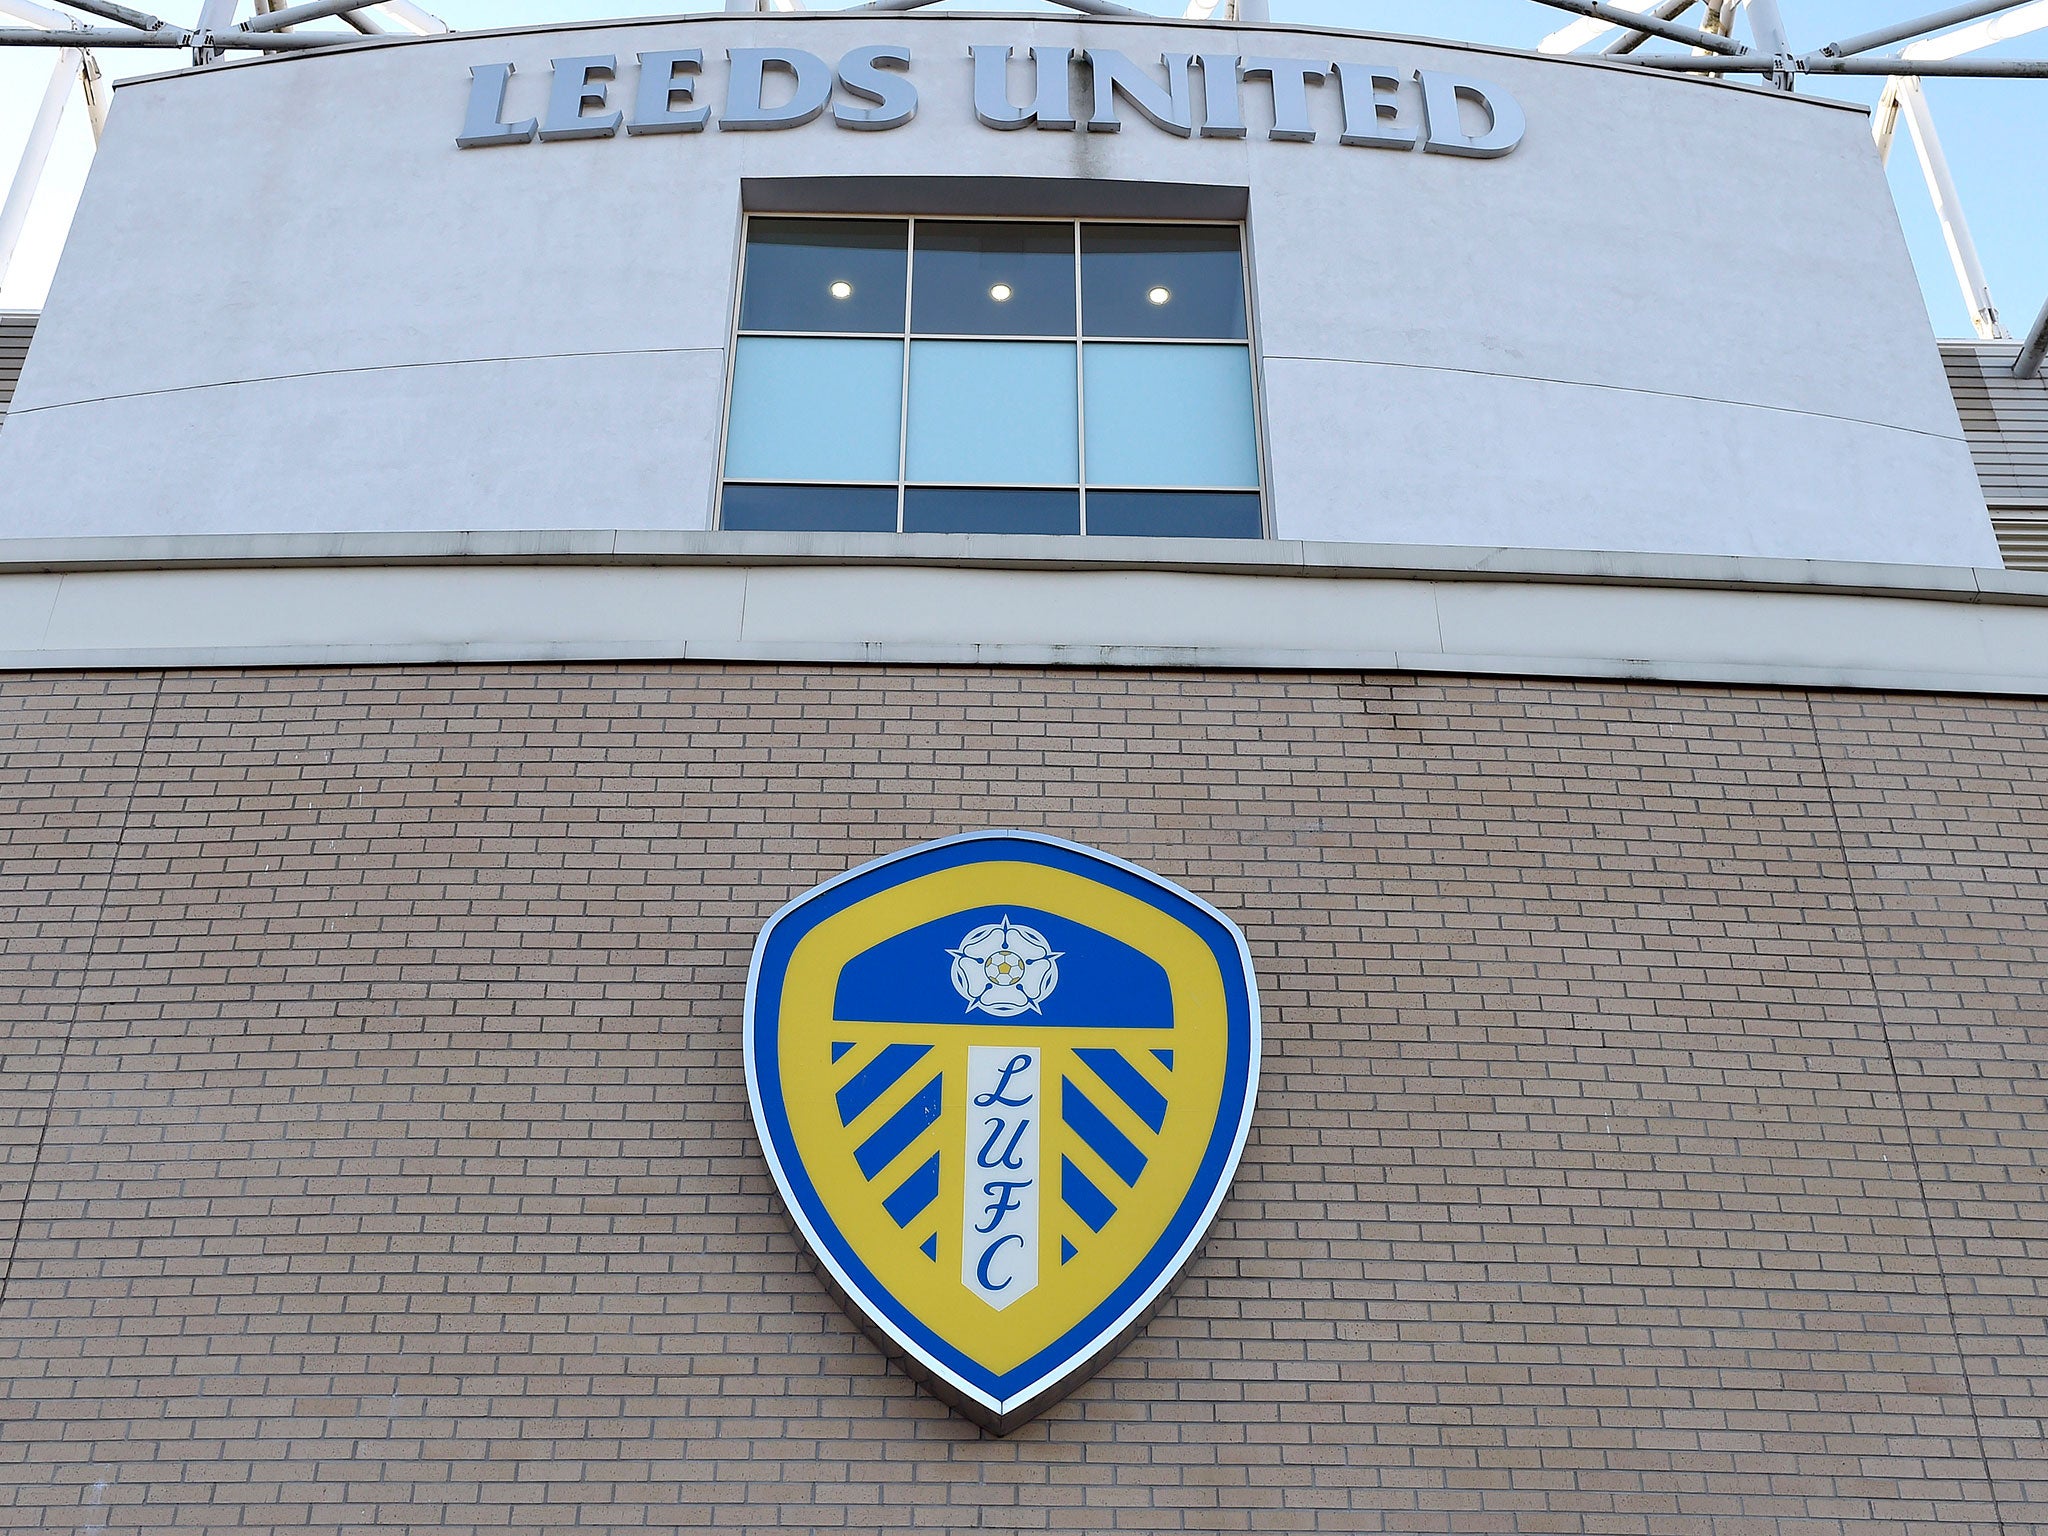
pixel 1003 1082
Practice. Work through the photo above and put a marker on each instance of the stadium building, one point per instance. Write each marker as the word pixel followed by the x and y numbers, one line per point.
pixel 498 525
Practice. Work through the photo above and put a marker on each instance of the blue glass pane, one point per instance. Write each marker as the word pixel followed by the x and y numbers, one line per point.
pixel 970 510
pixel 1162 280
pixel 806 409
pixel 993 279
pixel 1170 416
pixel 809 508
pixel 1176 514
pixel 825 275
pixel 993 413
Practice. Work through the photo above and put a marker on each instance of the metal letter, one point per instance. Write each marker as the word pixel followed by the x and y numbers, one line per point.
pixel 1372 107
pixel 1290 79
pixel 895 98
pixel 1051 106
pixel 1170 106
pixel 1440 97
pixel 663 77
pixel 486 104
pixel 572 93
pixel 1053 96
pixel 743 106
pixel 992 104
pixel 1222 110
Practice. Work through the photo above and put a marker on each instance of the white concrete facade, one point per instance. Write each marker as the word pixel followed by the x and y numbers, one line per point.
pixel 383 599
pixel 1679 317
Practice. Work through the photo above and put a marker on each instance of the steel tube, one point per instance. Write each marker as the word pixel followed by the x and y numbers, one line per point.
pixel 92 37
pixel 1934 23
pixel 1948 208
pixel 1767 26
pixel 2034 349
pixel 107 10
pixel 292 15
pixel 1635 21
pixel 28 172
pixel 1629 42
pixel 279 42
pixel 1757 64
pixel 30 14
pixel 412 18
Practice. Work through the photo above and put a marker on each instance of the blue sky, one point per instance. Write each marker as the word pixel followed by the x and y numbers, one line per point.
pixel 1996 131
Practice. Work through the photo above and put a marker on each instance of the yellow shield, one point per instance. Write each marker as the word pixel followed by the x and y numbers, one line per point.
pixel 1003 1082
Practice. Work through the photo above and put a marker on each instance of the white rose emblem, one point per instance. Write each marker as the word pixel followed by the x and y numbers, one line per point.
pixel 1005 969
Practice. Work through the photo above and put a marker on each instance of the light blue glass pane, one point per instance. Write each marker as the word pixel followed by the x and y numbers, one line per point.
pixel 993 413
pixel 806 409
pixel 1170 416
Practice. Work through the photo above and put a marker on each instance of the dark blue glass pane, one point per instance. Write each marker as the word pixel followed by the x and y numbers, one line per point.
pixel 953 510
pixel 809 508
pixel 993 280
pixel 1176 514
pixel 1165 280
pixel 825 275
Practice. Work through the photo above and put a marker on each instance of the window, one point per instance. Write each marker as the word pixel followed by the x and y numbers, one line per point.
pixel 992 376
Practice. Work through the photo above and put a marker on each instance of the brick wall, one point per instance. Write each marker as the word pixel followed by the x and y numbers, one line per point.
pixel 1654 1135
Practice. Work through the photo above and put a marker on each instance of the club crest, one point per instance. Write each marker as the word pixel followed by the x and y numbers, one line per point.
pixel 1002 1082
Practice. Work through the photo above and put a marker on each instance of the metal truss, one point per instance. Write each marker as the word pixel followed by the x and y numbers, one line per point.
pixel 1947 42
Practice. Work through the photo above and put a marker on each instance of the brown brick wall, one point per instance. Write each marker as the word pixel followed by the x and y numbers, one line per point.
pixel 1654 1136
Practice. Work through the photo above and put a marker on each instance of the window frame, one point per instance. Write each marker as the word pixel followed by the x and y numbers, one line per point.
pixel 1080 340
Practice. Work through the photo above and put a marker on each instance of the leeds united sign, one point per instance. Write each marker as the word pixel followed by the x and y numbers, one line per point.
pixel 1061 89
pixel 1002 1082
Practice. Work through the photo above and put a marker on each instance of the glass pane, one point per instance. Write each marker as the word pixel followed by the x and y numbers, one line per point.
pixel 956 510
pixel 993 413
pixel 810 508
pixel 993 280
pixel 825 275
pixel 1170 416
pixel 807 409
pixel 1176 514
pixel 1162 280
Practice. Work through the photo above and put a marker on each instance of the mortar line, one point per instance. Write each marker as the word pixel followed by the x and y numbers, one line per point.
pixel 1884 1026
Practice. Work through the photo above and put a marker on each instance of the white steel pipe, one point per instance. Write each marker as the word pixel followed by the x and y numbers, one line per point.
pixel 1615 16
pixel 1890 64
pixel 1954 15
pixel 2035 348
pixel 1948 207
pixel 92 37
pixel 292 15
pixel 1574 35
pixel 412 18
pixel 1999 29
pixel 107 10
pixel 28 173
pixel 1767 26
pixel 29 14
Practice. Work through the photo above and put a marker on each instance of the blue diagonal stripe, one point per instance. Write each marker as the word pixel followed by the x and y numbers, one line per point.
pixel 1094 1127
pixel 1083 1198
pixel 877 1078
pixel 914 1193
pixel 900 1130
pixel 1128 1084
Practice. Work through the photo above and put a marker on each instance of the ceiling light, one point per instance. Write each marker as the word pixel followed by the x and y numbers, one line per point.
pixel 1001 293
pixel 1159 295
pixel 842 290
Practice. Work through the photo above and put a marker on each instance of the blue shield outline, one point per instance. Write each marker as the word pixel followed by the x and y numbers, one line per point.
pixel 1001 1402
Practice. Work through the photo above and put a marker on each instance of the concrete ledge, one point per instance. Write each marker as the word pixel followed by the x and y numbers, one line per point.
pixel 317 600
